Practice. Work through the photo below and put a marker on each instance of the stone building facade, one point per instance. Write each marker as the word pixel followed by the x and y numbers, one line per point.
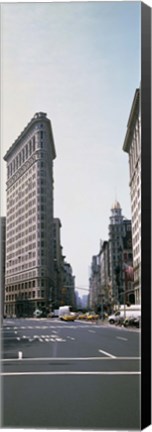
pixel 94 283
pixel 29 220
pixel 58 263
pixel 105 294
pixel 132 146
pixel 2 261
pixel 120 253
pixel 68 286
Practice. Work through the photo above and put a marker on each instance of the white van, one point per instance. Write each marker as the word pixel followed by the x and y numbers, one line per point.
pixel 127 312
pixel 64 310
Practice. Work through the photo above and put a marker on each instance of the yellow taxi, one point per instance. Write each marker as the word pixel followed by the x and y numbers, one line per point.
pixel 82 316
pixel 92 316
pixel 70 317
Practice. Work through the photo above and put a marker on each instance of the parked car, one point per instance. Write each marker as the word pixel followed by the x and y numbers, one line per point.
pixel 132 321
pixel 114 318
pixel 50 315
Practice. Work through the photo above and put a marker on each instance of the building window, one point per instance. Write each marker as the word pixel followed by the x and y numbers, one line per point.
pixel 30 148
pixel 19 159
pixel 16 162
pixel 26 151
pixel 23 155
pixel 33 143
pixel 13 168
pixel 10 169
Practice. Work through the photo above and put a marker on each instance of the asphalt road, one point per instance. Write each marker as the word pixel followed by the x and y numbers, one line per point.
pixel 70 375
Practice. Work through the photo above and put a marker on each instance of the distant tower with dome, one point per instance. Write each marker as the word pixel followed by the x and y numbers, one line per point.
pixel 116 214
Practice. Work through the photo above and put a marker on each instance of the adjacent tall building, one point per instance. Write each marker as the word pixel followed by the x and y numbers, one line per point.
pixel 105 295
pixel 64 281
pixel 120 255
pixel 132 146
pixel 94 283
pixel 115 247
pixel 2 261
pixel 111 278
pixel 57 262
pixel 67 291
pixel 29 275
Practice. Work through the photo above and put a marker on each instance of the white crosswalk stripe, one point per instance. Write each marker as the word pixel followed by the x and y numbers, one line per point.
pixel 42 338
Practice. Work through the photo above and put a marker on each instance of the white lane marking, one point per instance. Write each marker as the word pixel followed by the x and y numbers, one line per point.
pixel 70 373
pixel 91 331
pixel 60 326
pixel 71 338
pixel 41 338
pixel 122 338
pixel 72 358
pixel 108 354
pixel 20 355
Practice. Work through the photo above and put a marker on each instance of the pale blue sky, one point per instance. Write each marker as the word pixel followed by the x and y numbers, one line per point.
pixel 79 63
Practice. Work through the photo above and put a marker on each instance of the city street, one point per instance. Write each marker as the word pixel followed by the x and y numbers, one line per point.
pixel 77 375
